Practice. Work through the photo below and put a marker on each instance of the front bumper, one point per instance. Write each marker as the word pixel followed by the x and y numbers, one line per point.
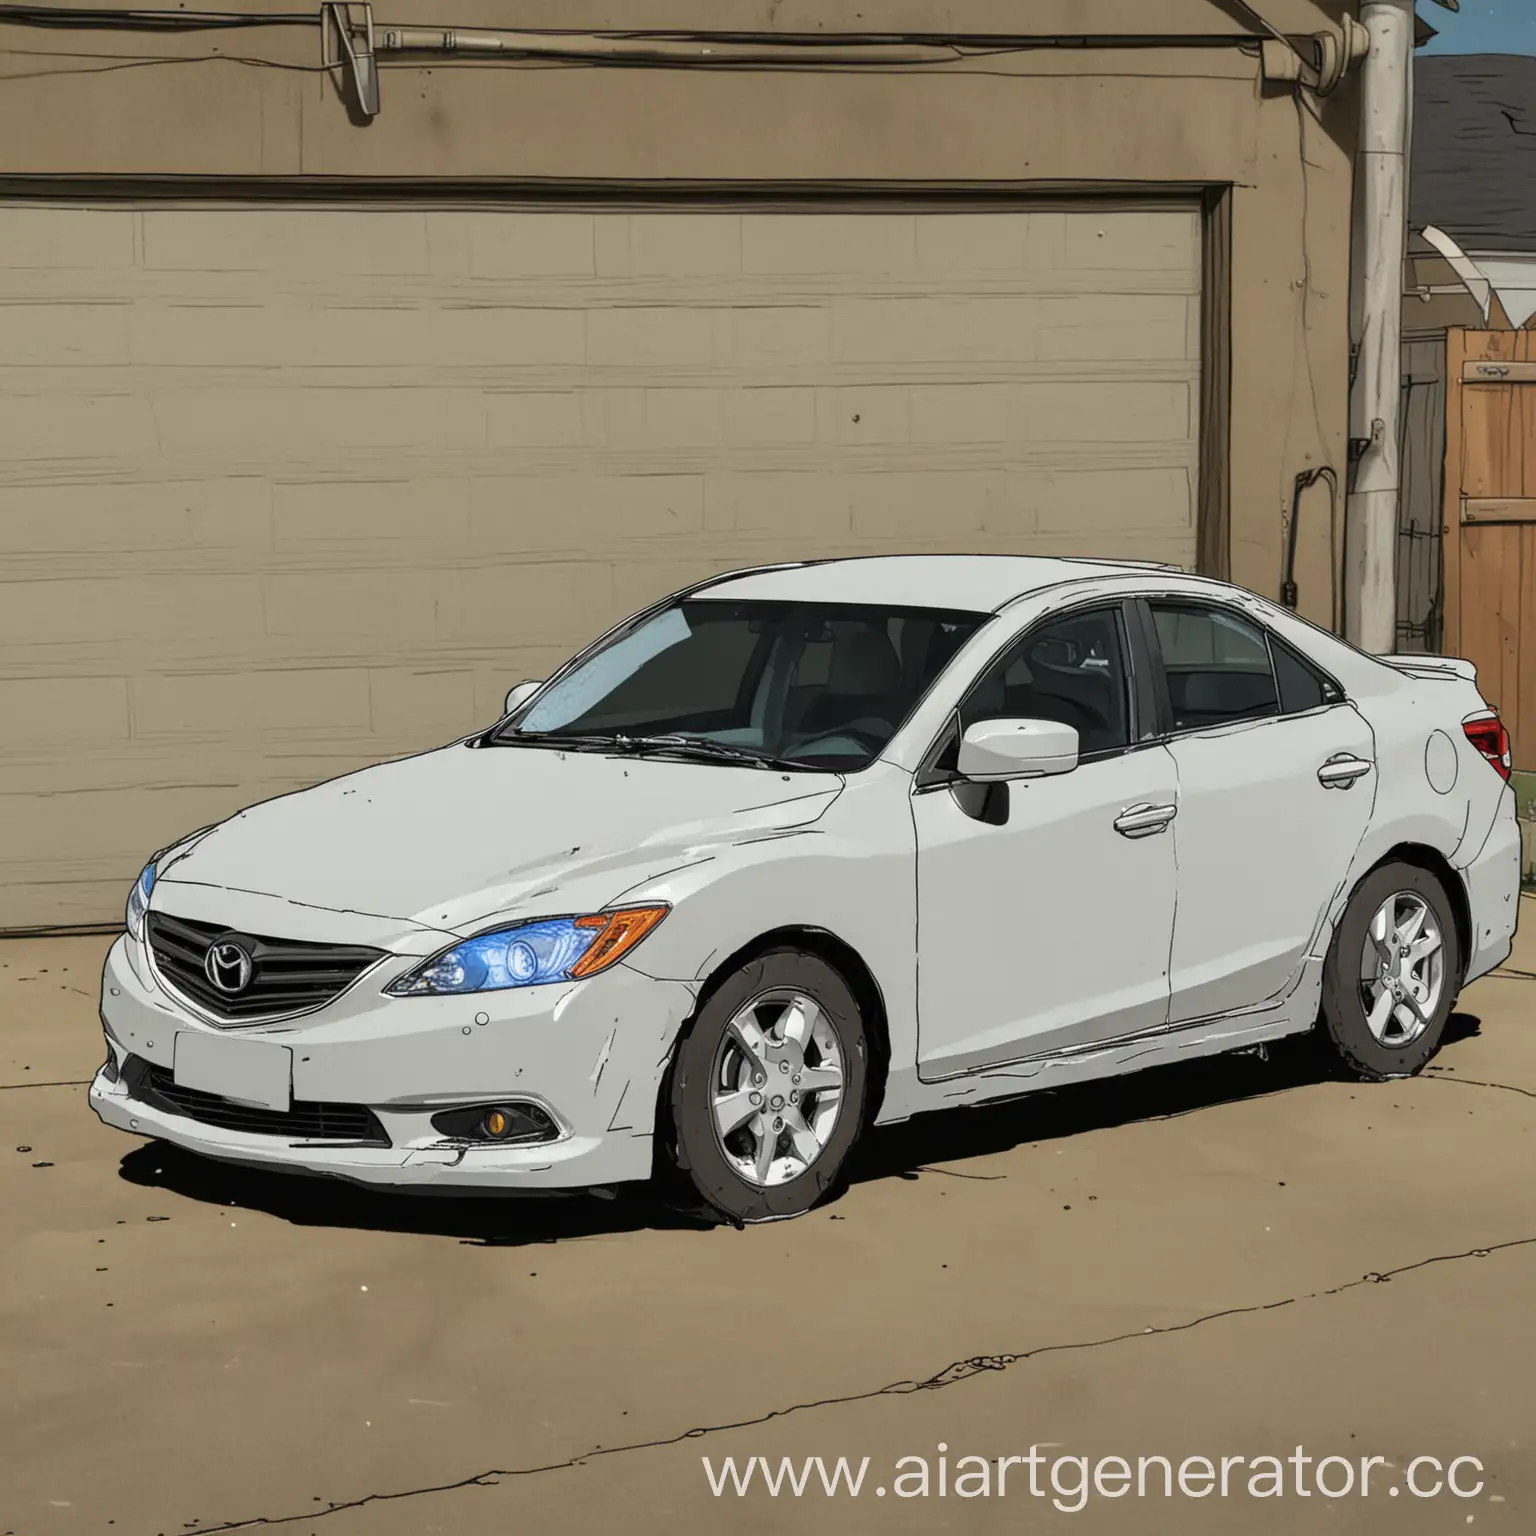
pixel 591 1053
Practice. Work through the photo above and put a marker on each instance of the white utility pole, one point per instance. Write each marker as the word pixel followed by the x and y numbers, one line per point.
pixel 1371 523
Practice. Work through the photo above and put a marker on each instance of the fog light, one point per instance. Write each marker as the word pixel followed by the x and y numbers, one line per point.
pixel 518 1122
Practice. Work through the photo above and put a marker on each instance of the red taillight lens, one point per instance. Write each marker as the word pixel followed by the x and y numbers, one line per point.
pixel 1491 740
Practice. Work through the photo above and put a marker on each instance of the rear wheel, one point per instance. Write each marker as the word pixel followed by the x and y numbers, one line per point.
pixel 768 1087
pixel 1392 974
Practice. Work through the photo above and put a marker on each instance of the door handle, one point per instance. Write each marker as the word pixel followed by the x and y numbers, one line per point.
pixel 1143 820
pixel 1341 772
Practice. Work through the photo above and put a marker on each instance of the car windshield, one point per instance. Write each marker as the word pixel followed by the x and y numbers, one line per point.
pixel 810 686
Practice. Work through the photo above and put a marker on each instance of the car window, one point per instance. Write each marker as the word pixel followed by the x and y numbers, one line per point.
pixel 668 668
pixel 1302 686
pixel 1217 665
pixel 1071 670
pixel 818 685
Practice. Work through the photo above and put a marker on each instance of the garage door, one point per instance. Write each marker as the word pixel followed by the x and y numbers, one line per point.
pixel 285 490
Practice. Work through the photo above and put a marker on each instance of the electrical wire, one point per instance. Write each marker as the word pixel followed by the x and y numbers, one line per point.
pixel 939 69
pixel 1265 24
pixel 113 20
pixel 1306 479
pixel 1304 113
pixel 110 63
pixel 784 53
pixel 968 42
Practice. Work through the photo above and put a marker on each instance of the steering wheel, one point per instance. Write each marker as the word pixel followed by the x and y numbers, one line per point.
pixel 869 733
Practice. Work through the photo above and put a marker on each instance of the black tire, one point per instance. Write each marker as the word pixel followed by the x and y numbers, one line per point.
pixel 1343 1028
pixel 705 1058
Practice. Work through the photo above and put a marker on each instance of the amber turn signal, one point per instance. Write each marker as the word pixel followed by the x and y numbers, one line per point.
pixel 621 931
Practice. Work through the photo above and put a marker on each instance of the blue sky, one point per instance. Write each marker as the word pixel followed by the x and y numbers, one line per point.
pixel 1482 26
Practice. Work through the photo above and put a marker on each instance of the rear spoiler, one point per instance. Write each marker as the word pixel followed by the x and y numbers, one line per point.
pixel 1434 666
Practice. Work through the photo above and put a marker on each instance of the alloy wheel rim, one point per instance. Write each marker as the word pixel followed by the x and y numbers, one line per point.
pixel 1402 970
pixel 777 1087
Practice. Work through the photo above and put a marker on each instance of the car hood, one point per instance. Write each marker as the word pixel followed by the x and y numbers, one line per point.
pixel 449 838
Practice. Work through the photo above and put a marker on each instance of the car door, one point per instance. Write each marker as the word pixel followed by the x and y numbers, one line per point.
pixel 1276 781
pixel 1045 905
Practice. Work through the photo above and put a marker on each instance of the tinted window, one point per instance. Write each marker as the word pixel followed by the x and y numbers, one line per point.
pixel 662 671
pixel 1302 687
pixel 1071 670
pixel 826 685
pixel 1217 665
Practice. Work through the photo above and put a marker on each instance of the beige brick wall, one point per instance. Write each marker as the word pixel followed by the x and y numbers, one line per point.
pixel 287 490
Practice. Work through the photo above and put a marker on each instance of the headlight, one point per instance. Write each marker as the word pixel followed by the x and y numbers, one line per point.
pixel 138 901
pixel 531 954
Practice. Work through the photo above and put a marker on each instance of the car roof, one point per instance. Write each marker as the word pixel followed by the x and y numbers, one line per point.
pixel 969 583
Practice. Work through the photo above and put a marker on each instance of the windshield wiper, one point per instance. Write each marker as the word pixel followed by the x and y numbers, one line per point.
pixel 574 743
pixel 699 747
pixel 638 746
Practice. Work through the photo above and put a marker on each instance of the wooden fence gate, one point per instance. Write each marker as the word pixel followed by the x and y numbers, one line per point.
pixel 1490 521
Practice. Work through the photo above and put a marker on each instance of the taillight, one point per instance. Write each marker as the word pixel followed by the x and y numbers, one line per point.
pixel 1488 735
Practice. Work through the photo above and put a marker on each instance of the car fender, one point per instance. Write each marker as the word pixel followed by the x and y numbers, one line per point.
pixel 850 875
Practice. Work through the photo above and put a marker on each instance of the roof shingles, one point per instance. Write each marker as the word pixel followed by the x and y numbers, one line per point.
pixel 1474 149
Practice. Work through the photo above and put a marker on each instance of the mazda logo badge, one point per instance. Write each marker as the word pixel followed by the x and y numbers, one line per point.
pixel 228 966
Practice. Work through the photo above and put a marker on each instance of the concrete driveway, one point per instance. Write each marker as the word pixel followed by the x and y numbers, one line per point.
pixel 1221 1260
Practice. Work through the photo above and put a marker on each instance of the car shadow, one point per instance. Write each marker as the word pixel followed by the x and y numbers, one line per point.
pixel 1158 1093
pixel 910 1151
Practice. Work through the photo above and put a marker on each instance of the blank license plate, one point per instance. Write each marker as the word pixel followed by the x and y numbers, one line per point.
pixel 254 1072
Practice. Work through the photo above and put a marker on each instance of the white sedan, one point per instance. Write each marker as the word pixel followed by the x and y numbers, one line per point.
pixel 810 848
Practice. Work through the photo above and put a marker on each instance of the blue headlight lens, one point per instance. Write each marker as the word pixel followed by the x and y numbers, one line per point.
pixel 138 900
pixel 526 956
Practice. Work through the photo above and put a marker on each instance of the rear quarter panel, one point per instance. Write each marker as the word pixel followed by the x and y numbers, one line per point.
pixel 1405 712
pixel 1434 786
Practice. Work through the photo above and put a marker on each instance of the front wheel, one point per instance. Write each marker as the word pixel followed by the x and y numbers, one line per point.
pixel 1392 974
pixel 768 1087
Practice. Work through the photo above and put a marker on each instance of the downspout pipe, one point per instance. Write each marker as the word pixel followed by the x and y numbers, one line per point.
pixel 1371 520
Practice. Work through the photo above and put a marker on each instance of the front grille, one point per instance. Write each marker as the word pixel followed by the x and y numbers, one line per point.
pixel 287 975
pixel 313 1121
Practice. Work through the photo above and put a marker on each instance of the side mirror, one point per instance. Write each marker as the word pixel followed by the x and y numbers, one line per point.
pixel 993 751
pixel 520 694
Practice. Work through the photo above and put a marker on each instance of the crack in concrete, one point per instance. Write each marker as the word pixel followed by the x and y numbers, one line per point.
pixel 952 1173
pixel 83 1082
pixel 1440 1075
pixel 951 1375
